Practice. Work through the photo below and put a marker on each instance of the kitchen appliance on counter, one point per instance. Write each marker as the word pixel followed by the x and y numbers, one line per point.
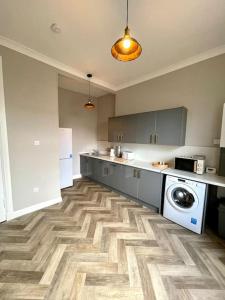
pixel 128 155
pixel 118 152
pixel 184 202
pixel 194 163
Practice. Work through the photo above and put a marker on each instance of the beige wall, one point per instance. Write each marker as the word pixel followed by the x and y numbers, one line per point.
pixel 31 100
pixel 83 123
pixel 200 88
pixel 106 109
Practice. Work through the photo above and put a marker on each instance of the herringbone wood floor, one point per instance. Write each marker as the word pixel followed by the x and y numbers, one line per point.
pixel 99 245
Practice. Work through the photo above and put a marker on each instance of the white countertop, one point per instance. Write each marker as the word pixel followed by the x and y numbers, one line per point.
pixel 205 178
pixel 132 163
pixel 212 179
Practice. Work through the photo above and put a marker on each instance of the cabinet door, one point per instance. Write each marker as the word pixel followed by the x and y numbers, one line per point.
pixel 145 129
pixel 129 126
pixel 97 169
pixel 115 176
pixel 150 187
pixel 129 181
pixel 171 126
pixel 86 166
pixel 115 129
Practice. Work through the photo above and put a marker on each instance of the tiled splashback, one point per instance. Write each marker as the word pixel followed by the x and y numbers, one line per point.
pixel 167 153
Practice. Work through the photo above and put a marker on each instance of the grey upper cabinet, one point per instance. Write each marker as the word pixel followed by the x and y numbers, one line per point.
pixel 116 127
pixel 171 126
pixel 129 128
pixel 163 127
pixel 146 127
pixel 150 187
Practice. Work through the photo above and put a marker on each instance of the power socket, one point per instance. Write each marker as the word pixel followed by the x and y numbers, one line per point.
pixel 36 189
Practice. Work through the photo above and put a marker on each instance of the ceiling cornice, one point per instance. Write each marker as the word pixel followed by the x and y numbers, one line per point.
pixel 182 64
pixel 65 69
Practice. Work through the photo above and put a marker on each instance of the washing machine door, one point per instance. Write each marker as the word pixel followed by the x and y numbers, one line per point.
pixel 182 197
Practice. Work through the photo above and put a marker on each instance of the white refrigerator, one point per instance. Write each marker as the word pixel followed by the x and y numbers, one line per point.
pixel 65 157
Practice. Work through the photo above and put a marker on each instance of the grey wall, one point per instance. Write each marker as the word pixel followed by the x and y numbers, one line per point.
pixel 31 97
pixel 83 123
pixel 106 109
pixel 200 88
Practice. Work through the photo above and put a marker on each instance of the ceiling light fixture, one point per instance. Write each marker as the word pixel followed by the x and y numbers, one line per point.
pixel 89 105
pixel 126 48
pixel 55 28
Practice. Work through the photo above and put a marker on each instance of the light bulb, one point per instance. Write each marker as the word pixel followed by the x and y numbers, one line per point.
pixel 126 43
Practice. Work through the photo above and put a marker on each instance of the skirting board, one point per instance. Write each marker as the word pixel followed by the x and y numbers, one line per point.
pixel 77 176
pixel 30 209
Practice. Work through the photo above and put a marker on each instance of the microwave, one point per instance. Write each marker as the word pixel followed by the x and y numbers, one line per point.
pixel 194 163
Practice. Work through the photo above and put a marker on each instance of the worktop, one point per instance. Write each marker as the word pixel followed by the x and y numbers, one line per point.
pixel 145 165
pixel 211 179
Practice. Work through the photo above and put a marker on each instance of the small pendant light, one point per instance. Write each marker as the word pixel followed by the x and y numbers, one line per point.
pixel 126 48
pixel 89 105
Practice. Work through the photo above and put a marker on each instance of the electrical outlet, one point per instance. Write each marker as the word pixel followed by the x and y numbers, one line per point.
pixel 36 189
pixel 216 141
pixel 36 143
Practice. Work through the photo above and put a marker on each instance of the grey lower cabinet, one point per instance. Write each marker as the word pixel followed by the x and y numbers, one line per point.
pixel 129 181
pixel 162 127
pixel 86 166
pixel 140 184
pixel 150 187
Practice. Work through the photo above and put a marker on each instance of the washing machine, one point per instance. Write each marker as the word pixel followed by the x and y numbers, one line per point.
pixel 184 202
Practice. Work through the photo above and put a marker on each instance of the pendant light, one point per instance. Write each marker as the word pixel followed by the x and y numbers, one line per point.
pixel 89 105
pixel 126 48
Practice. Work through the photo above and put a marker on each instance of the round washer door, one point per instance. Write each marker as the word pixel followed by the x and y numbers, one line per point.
pixel 182 197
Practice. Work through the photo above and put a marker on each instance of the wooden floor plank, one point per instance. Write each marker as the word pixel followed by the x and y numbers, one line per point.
pixel 100 245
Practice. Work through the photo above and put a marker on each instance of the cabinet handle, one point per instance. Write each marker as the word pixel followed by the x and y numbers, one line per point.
pixel 150 138
pixel 155 136
pixel 135 173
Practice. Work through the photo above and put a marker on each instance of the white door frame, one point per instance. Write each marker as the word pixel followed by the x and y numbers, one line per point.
pixel 4 156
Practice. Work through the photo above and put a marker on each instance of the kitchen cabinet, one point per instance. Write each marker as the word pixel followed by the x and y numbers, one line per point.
pixel 171 126
pixel 99 170
pixel 163 127
pixel 86 168
pixel 140 184
pixel 115 174
pixel 146 127
pixel 150 187
pixel 129 181
pixel 116 129
pixel 121 129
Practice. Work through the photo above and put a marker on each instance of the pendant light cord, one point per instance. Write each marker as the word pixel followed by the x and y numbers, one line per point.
pixel 127 13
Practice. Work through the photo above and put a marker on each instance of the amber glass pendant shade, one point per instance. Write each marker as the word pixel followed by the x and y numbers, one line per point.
pixel 126 48
pixel 89 105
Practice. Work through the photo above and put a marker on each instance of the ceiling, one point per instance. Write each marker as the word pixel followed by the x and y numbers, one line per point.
pixel 80 86
pixel 172 33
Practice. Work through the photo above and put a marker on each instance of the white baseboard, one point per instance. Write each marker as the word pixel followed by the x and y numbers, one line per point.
pixel 30 209
pixel 77 176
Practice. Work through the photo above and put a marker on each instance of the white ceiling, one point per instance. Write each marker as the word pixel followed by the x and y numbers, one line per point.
pixel 80 86
pixel 172 34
